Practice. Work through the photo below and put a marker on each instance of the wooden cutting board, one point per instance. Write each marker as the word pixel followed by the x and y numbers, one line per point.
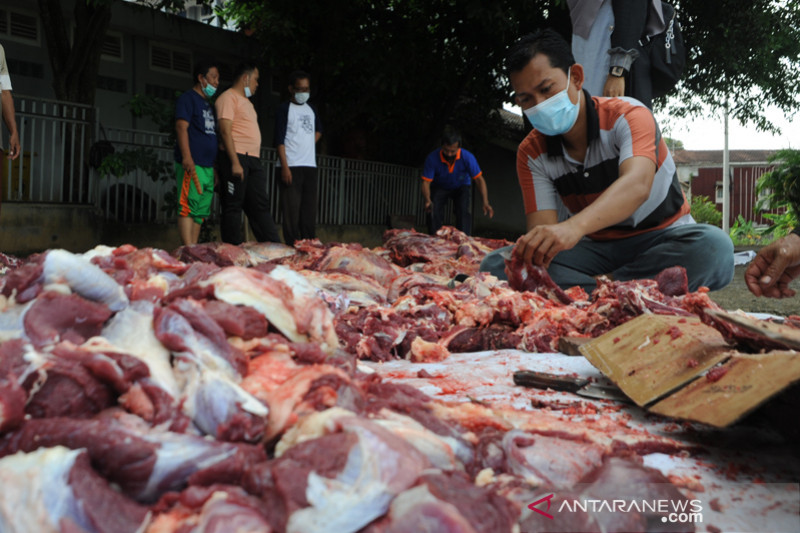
pixel 653 355
pixel 733 389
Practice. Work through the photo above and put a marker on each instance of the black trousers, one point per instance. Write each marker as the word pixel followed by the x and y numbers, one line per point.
pixel 439 199
pixel 248 195
pixel 299 204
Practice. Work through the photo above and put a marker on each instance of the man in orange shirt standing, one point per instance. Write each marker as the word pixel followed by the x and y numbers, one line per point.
pixel 243 181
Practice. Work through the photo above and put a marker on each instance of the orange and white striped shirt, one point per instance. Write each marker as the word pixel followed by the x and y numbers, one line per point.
pixel 618 129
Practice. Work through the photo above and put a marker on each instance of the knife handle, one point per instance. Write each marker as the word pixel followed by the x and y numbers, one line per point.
pixel 543 380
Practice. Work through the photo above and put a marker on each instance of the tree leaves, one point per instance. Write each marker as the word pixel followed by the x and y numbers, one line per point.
pixel 388 76
pixel 745 53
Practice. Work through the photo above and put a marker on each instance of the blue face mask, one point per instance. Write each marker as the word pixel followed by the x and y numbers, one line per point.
pixel 247 92
pixel 556 115
pixel 209 90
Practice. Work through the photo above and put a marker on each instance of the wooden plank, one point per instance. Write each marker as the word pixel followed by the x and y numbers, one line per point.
pixel 733 389
pixel 652 355
pixel 572 345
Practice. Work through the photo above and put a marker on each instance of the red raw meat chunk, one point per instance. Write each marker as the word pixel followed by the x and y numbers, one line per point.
pixel 673 281
pixel 527 277
pixel 54 317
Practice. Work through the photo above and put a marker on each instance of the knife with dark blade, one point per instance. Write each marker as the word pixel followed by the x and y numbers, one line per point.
pixel 580 386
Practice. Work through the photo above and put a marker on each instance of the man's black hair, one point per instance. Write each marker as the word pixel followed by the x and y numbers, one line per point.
pixel 202 67
pixel 547 42
pixel 298 75
pixel 243 69
pixel 451 136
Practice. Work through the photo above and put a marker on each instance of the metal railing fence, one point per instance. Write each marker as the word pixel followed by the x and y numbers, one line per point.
pixel 56 138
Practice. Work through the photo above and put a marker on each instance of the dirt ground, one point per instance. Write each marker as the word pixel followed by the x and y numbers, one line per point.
pixel 737 296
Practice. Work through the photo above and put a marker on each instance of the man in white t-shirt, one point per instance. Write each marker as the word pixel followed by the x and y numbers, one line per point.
pixel 7 110
pixel 297 130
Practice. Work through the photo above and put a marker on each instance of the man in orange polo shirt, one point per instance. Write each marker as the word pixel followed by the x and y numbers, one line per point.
pixel 243 181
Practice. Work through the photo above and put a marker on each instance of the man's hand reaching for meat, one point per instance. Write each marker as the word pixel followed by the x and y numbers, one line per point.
pixel 541 244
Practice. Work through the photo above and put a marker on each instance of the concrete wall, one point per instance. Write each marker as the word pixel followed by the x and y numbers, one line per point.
pixel 498 163
pixel 31 228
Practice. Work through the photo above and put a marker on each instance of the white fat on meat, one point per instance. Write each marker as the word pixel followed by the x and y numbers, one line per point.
pixel 311 427
pixel 199 348
pixel 262 252
pixel 11 321
pixel 287 300
pixel 285 398
pixel 177 457
pixel 37 364
pixel 360 292
pixel 550 461
pixel 131 331
pixel 211 397
pixel 379 467
pixel 35 486
pixel 101 250
pixel 419 510
pixel 84 278
pixel 443 452
pixel 222 512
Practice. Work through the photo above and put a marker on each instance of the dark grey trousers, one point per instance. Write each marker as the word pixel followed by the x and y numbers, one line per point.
pixel 705 251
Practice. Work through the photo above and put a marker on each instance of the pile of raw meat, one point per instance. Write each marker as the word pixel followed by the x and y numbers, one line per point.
pixel 219 389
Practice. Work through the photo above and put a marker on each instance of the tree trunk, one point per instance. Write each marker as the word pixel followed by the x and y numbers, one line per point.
pixel 75 67
pixel 75 64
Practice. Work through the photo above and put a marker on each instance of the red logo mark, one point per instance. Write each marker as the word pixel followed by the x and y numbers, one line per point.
pixel 532 506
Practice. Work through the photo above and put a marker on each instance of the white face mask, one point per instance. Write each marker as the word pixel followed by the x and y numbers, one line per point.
pixel 301 98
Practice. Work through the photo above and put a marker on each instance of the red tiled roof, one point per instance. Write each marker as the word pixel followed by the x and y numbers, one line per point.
pixel 512 119
pixel 714 157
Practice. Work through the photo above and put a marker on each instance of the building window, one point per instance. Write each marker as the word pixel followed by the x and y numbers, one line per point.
pixel 173 60
pixel 108 83
pixel 17 67
pixel 718 191
pixel 159 91
pixel 761 199
pixel 19 26
pixel 112 47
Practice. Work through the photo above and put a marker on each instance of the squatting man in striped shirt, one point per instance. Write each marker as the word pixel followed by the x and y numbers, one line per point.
pixel 600 187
